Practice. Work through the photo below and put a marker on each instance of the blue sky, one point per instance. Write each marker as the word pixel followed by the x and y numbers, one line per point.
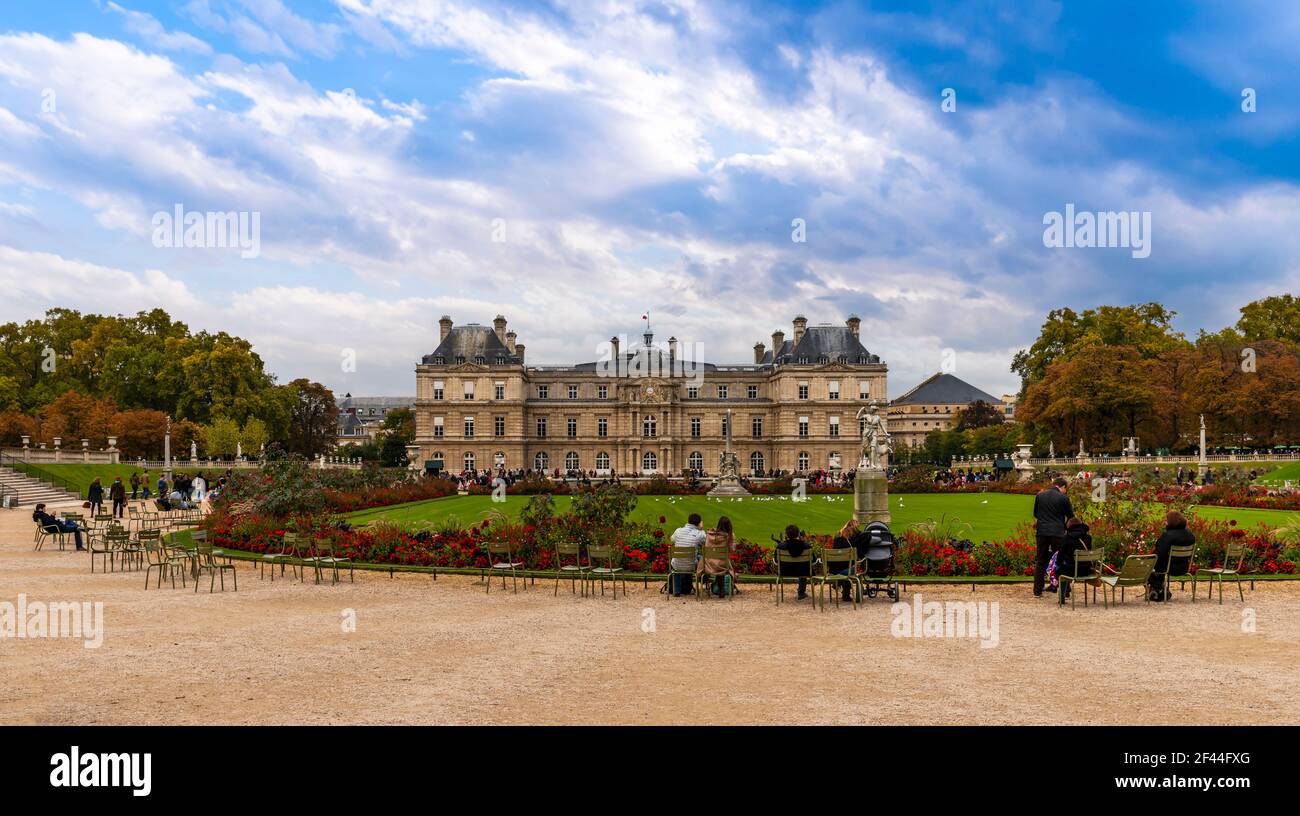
pixel 643 155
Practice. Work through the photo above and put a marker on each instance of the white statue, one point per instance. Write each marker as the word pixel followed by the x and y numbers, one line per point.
pixel 877 444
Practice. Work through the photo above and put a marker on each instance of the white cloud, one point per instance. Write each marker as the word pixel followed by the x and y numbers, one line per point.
pixel 147 26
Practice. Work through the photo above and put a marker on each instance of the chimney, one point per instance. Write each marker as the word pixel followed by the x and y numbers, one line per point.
pixel 444 327
pixel 519 351
pixel 778 340
pixel 854 323
pixel 499 323
pixel 758 352
pixel 510 341
pixel 672 349
pixel 800 326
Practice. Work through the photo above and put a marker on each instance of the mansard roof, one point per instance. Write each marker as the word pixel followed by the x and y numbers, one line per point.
pixel 466 343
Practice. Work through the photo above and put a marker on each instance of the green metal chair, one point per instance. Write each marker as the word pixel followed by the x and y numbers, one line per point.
pixel 326 559
pixel 576 572
pixel 1093 558
pixel 501 561
pixel 207 563
pixel 676 554
pixel 1234 551
pixel 713 552
pixel 287 554
pixel 108 546
pixel 1187 551
pixel 157 557
pixel 832 561
pixel 50 531
pixel 782 559
pixel 601 559
pixel 1135 573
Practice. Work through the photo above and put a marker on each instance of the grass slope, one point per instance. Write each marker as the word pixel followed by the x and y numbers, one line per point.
pixel 81 475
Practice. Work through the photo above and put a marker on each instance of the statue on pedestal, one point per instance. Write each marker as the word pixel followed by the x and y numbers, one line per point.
pixel 877 444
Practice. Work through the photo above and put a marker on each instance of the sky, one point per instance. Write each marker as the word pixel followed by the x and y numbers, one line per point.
pixel 575 165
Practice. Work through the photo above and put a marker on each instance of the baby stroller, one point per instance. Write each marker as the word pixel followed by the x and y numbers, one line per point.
pixel 875 546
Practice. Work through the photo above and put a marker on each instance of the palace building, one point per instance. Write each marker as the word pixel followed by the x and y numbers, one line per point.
pixel 647 409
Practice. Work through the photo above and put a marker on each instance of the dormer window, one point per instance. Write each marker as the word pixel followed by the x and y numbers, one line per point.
pixel 480 359
pixel 439 360
pixel 460 358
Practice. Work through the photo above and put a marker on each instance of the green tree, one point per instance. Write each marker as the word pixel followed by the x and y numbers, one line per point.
pixel 220 437
pixel 313 420
pixel 1271 318
pixel 253 436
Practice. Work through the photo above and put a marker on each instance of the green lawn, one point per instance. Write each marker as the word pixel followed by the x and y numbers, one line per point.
pixel 1290 471
pixel 81 475
pixel 992 516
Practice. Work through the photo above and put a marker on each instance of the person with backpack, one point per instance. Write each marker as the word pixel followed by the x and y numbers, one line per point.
pixel 117 492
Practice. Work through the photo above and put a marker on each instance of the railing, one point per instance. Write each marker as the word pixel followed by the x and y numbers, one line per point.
pixel 1141 459
pixel 20 465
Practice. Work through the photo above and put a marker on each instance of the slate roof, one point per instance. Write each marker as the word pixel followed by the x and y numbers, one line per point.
pixel 465 343
pixel 945 389
pixel 822 342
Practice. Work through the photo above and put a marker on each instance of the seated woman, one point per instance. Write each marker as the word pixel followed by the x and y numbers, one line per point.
pixel 1176 534
pixel 53 525
pixel 795 546
pixel 719 569
pixel 1076 538
pixel 849 536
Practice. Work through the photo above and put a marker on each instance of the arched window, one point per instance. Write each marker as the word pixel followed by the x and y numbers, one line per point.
pixel 695 461
pixel 756 463
pixel 469 461
pixel 803 460
pixel 602 461
pixel 648 426
pixel 649 462
pixel 541 461
pixel 571 460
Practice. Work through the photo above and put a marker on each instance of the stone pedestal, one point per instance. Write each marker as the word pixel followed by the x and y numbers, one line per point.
pixel 870 496
pixel 728 486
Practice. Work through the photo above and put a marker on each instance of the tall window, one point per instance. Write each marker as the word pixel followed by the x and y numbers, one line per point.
pixel 469 389
pixel 602 392
pixel 543 391
pixel 649 425
pixel 573 392
pixel 499 391
pixel 499 426
pixel 572 427
pixel 437 427
pixel 469 427
pixel 803 390
pixel 541 461
pixel 835 427
pixel 722 392
pixel 437 389
pixel 695 427
pixel 602 427
pixel 803 427
pixel 692 392
pixel 649 462
pixel 756 463
pixel 752 392
pixel 541 427
pixel 803 460
pixel 726 426
pixel 469 461
pixel 864 389
pixel 571 460
pixel 602 461
pixel 832 390
pixel 695 461
pixel 756 425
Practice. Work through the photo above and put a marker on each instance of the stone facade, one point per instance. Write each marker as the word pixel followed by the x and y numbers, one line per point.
pixel 480 406
pixel 933 406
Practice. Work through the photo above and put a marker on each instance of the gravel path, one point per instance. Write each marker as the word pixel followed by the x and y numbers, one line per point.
pixel 446 652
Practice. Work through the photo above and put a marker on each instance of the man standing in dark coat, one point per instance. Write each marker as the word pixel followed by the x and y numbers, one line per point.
pixel 1051 510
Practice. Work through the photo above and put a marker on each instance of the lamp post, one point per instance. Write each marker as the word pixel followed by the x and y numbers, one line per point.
pixel 167 449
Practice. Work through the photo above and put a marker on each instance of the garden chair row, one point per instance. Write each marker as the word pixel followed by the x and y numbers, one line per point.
pixel 1137 571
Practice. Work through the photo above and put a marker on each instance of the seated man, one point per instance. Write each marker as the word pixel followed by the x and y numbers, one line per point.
pixel 51 524
pixel 688 535
pixel 177 500
pixel 795 546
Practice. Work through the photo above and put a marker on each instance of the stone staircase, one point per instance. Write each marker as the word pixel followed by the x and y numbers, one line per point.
pixel 29 491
